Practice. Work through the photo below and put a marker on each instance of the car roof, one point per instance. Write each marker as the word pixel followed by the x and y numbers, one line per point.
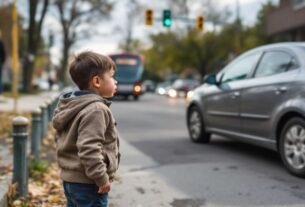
pixel 291 45
pixel 296 47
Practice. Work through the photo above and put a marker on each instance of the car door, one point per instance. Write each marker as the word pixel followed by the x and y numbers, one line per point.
pixel 222 101
pixel 265 92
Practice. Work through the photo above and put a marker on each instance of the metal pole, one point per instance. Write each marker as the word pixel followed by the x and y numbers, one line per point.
pixel 44 120
pixel 15 57
pixel 20 172
pixel 36 133
pixel 49 109
pixel 54 104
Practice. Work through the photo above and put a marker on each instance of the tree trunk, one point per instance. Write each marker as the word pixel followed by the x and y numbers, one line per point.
pixel 33 39
pixel 28 69
pixel 64 61
pixel 31 49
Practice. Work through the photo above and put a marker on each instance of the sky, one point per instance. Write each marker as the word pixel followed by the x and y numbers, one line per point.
pixel 108 37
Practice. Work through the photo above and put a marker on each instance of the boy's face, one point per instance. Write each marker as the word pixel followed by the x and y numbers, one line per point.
pixel 105 85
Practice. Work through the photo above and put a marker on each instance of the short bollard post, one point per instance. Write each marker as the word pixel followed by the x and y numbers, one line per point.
pixel 55 102
pixel 44 120
pixel 20 172
pixel 49 109
pixel 36 133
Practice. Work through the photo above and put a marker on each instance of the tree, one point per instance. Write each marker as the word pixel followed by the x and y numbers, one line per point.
pixel 33 40
pixel 256 35
pixel 75 17
pixel 133 14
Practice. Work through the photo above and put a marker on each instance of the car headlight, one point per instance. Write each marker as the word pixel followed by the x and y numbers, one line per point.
pixel 172 93
pixel 189 95
pixel 137 88
pixel 161 91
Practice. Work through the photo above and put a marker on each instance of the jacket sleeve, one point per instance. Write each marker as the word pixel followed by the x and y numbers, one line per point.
pixel 91 136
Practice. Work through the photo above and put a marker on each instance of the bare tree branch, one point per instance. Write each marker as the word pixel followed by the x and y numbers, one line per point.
pixel 73 15
pixel 42 16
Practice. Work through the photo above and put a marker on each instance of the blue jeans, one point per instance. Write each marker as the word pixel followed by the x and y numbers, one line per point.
pixel 84 195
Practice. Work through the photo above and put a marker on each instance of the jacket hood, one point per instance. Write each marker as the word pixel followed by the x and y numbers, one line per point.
pixel 70 104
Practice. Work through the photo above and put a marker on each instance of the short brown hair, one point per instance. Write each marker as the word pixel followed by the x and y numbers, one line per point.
pixel 87 64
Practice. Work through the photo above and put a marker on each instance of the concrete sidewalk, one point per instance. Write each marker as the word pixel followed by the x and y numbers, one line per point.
pixel 139 184
pixel 25 103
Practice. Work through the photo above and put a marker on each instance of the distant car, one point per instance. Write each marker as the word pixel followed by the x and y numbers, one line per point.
pixel 149 86
pixel 181 87
pixel 162 88
pixel 41 84
pixel 258 98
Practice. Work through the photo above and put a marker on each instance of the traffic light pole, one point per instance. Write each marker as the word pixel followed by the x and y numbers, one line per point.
pixel 183 19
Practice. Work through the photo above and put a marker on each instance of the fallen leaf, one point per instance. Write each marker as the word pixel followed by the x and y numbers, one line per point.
pixel 12 189
pixel 54 198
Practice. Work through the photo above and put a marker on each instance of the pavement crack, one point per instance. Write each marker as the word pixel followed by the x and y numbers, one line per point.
pixel 188 202
pixel 144 168
pixel 140 190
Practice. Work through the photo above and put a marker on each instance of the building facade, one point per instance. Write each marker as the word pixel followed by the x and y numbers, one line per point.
pixel 287 20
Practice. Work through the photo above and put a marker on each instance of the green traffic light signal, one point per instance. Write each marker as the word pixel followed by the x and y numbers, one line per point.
pixel 167 19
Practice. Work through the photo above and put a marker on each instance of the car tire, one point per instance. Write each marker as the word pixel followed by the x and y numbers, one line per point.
pixel 135 97
pixel 196 127
pixel 292 146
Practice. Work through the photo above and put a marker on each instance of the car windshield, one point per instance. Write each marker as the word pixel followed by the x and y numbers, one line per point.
pixel 126 72
pixel 184 82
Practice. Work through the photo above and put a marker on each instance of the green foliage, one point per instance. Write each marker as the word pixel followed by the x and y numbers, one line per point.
pixel 38 168
pixel 24 204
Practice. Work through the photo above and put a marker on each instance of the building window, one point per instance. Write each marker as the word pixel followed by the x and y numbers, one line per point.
pixel 298 4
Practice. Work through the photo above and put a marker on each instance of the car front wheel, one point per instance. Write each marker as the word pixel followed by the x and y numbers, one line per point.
pixel 292 146
pixel 196 126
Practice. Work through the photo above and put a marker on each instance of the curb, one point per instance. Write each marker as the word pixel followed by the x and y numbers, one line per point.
pixel 6 158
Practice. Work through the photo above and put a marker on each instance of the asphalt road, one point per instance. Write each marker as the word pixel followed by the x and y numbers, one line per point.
pixel 162 167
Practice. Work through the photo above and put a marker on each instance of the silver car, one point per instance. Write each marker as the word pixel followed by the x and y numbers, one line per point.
pixel 258 98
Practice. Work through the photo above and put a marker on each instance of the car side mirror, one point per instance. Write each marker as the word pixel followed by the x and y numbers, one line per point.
pixel 210 79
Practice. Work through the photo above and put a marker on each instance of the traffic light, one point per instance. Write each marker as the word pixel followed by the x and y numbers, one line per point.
pixel 200 23
pixel 149 17
pixel 167 19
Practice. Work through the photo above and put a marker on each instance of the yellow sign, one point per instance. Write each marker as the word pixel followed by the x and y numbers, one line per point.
pixel 15 57
pixel 125 61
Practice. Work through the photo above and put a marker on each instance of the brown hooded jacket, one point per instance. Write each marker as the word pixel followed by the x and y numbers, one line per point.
pixel 86 138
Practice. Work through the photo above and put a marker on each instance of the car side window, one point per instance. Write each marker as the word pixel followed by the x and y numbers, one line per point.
pixel 240 69
pixel 275 62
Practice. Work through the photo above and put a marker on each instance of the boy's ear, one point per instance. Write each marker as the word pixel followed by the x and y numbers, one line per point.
pixel 96 82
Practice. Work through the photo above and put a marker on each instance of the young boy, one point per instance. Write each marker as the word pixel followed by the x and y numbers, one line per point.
pixel 86 136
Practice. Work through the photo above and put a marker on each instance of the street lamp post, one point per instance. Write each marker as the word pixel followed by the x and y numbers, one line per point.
pixel 15 57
